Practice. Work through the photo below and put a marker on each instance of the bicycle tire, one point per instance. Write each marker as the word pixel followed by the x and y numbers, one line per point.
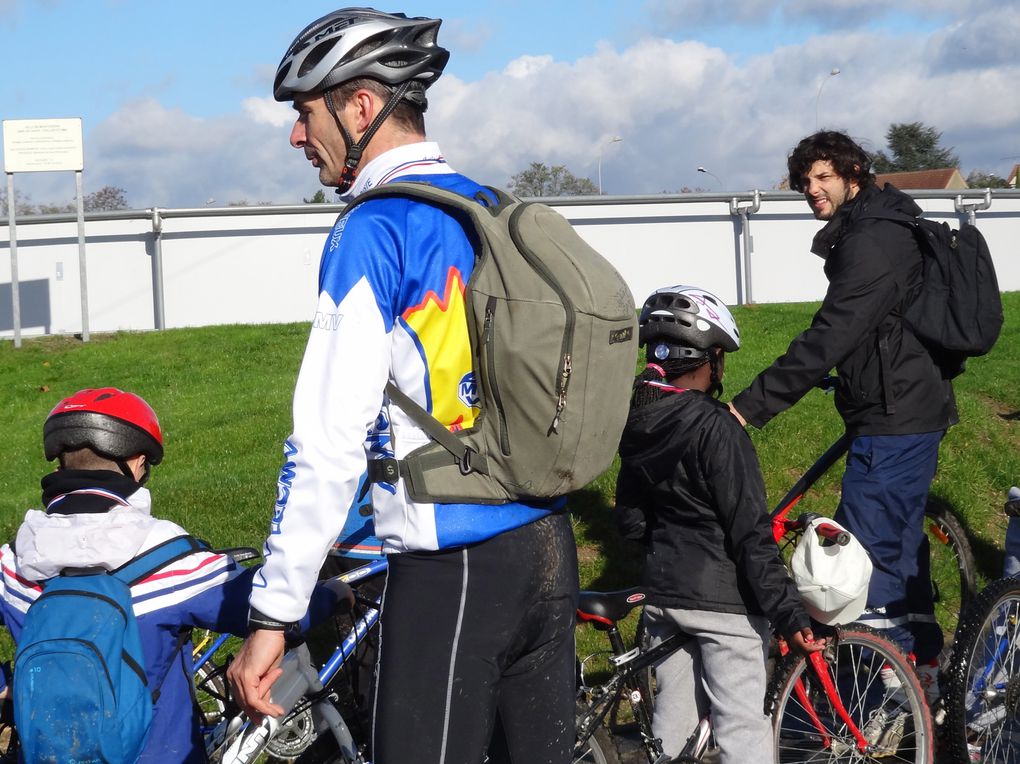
pixel 982 689
pixel 211 693
pixel 953 571
pixel 599 748
pixel 856 657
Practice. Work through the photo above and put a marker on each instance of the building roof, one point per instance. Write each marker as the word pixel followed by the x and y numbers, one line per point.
pixel 948 177
pixel 1013 179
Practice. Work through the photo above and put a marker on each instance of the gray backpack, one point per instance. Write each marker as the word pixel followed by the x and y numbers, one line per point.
pixel 553 337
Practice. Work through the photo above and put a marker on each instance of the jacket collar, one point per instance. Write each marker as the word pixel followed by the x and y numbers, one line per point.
pixel 422 158
pixel 844 218
pixel 72 492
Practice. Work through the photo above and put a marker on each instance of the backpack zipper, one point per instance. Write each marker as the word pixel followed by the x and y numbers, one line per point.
pixel 490 365
pixel 566 365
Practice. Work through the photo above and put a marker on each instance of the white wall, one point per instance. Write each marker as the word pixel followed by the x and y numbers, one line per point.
pixel 261 265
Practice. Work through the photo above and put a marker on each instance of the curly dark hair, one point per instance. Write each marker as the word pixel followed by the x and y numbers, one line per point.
pixel 850 161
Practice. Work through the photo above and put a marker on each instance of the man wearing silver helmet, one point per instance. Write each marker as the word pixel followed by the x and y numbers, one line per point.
pixel 478 610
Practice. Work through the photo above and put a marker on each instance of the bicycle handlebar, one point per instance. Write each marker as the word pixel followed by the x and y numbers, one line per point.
pixel 825 530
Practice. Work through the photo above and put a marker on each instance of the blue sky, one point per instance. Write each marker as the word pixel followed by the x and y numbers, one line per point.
pixel 176 105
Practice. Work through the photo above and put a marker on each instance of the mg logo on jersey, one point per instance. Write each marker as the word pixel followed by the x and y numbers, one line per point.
pixel 467 391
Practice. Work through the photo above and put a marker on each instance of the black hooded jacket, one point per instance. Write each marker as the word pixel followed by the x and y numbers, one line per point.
pixel 888 383
pixel 690 468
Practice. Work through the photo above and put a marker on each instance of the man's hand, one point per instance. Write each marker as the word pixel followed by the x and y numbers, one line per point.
pixel 804 642
pixel 253 672
pixel 743 422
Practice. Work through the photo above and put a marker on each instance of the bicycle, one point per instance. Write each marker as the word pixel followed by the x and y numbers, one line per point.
pixel 313 729
pixel 953 571
pixel 844 703
pixel 836 707
pixel 833 690
pixel 983 677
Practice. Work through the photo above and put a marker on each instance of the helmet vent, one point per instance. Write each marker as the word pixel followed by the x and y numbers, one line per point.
pixel 315 56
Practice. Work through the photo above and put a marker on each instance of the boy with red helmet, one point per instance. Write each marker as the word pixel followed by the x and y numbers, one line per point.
pixel 97 514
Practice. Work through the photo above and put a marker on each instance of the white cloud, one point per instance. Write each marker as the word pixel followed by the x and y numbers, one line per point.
pixel 527 66
pixel 267 111
pixel 677 105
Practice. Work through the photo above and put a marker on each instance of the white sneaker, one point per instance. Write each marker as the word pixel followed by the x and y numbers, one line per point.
pixel 884 732
pixel 928 675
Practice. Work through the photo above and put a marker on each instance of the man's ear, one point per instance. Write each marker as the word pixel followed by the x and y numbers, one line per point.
pixel 366 107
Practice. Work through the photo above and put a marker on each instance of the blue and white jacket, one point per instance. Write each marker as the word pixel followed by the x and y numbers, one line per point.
pixel 102 519
pixel 391 308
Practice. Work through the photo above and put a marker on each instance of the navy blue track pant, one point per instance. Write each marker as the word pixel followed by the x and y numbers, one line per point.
pixel 885 489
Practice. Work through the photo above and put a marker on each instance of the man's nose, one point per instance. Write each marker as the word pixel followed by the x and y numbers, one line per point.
pixel 297 134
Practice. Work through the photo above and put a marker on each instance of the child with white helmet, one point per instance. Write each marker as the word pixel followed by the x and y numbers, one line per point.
pixel 690 488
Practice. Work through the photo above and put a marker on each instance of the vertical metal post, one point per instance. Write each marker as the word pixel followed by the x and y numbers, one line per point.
pixel 159 316
pixel 81 258
pixel 972 209
pixel 12 228
pixel 744 210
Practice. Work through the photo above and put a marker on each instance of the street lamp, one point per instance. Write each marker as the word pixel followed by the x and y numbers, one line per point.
pixel 614 139
pixel 702 169
pixel 832 74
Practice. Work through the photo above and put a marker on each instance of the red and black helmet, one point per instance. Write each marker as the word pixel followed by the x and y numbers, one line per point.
pixel 113 423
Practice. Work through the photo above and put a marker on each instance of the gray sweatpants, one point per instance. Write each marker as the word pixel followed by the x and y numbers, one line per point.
pixel 722 670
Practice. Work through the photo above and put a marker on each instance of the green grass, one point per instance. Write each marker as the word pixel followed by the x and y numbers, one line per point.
pixel 223 397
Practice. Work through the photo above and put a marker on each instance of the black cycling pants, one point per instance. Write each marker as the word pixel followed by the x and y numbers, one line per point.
pixel 467 632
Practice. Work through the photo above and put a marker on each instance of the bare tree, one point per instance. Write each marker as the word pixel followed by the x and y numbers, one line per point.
pixel 22 205
pixel 541 180
pixel 106 198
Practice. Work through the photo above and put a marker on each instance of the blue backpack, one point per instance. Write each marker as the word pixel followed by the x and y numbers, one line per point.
pixel 80 690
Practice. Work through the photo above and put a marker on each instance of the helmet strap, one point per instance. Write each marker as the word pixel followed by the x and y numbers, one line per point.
pixel 126 470
pixel 356 149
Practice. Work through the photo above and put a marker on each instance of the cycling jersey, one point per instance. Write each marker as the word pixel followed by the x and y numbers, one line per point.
pixel 391 308
pixel 102 519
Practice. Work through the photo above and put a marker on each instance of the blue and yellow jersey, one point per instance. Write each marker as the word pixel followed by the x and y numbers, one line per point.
pixel 391 308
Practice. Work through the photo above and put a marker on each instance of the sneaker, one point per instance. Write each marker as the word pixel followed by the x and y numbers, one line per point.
pixel 973 753
pixel 928 675
pixel 884 732
pixel 1012 506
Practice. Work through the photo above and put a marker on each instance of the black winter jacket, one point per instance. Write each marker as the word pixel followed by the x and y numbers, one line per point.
pixel 874 270
pixel 690 468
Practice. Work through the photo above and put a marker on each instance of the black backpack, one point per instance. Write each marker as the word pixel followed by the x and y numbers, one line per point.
pixel 957 313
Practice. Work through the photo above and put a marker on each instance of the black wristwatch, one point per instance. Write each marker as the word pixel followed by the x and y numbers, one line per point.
pixel 257 620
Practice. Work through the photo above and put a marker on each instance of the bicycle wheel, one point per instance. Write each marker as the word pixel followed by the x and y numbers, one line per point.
pixel 600 748
pixel 211 693
pixel 953 573
pixel 983 678
pixel 879 691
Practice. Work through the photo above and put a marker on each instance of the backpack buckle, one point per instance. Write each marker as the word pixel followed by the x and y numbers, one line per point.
pixel 464 463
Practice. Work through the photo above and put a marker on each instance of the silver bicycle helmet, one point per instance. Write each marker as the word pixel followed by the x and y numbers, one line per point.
pixel 362 42
pixel 688 319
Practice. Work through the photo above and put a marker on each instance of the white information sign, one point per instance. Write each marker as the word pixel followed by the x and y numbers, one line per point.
pixel 43 145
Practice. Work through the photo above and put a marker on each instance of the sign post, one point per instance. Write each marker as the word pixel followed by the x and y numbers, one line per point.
pixel 44 145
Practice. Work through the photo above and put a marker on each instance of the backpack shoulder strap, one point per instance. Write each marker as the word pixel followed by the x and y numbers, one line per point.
pixel 886 214
pixel 426 192
pixel 147 563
